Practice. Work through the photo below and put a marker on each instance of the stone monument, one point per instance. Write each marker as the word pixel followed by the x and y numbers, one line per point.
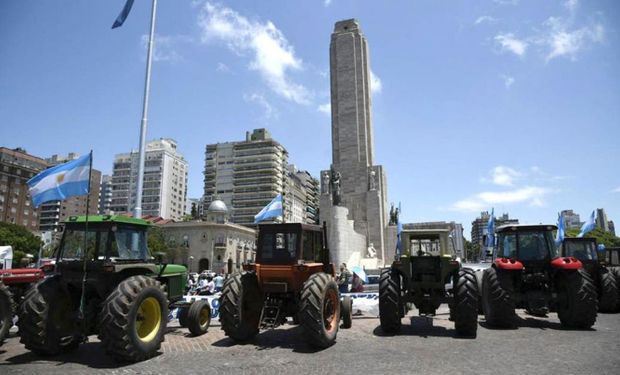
pixel 361 185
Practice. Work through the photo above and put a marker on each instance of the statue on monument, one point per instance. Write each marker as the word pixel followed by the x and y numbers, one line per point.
pixel 372 184
pixel 336 193
pixel 371 252
pixel 325 180
pixel 392 217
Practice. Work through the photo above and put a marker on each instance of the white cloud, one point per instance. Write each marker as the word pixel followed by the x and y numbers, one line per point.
pixel 502 176
pixel 221 67
pixel 272 55
pixel 532 195
pixel 561 41
pixel 375 83
pixel 165 46
pixel 508 80
pixel 487 19
pixel 325 108
pixel 327 3
pixel 616 190
pixel 571 5
pixel 268 110
pixel 509 42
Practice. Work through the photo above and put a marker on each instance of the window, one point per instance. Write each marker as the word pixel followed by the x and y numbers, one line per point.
pixel 129 244
pixel 507 246
pixel 72 247
pixel 312 246
pixel 582 250
pixel 278 247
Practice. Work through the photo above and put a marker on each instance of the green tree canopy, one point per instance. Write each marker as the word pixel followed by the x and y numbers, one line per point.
pixel 602 237
pixel 21 239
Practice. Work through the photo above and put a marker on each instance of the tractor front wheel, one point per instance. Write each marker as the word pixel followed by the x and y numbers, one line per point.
pixel 465 305
pixel 497 304
pixel 577 308
pixel 389 301
pixel 608 297
pixel 47 319
pixel 6 311
pixel 319 311
pixel 199 317
pixel 347 312
pixel 241 305
pixel 134 318
pixel 616 272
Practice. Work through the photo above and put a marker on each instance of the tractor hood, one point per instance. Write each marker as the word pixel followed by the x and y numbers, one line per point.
pixel 172 269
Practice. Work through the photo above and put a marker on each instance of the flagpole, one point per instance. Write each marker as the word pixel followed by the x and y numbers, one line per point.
pixel 83 296
pixel 145 108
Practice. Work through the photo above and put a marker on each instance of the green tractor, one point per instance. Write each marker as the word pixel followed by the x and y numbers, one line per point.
pixel 106 282
pixel 421 275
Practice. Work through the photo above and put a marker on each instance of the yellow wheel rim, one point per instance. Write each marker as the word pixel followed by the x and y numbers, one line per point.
pixel 148 319
pixel 205 315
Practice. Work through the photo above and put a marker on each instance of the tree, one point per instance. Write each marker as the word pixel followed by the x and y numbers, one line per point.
pixel 602 237
pixel 472 250
pixel 21 239
pixel 194 211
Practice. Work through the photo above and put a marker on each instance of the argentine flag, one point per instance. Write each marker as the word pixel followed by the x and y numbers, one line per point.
pixel 61 182
pixel 560 236
pixel 273 209
pixel 588 226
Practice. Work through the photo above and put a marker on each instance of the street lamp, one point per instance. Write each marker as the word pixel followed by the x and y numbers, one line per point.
pixel 191 258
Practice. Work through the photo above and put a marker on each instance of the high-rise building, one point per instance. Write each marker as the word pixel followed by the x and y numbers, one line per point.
pixel 165 181
pixel 301 198
pixel 16 168
pixel 601 219
pixel 105 195
pixel 571 219
pixel 479 226
pixel 612 227
pixel 353 181
pixel 53 213
pixel 245 175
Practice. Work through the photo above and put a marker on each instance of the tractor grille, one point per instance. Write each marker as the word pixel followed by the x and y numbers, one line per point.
pixel 425 267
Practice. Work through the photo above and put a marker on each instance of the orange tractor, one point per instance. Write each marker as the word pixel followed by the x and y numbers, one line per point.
pixel 292 277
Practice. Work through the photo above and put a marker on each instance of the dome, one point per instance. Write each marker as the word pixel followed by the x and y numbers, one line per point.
pixel 217 206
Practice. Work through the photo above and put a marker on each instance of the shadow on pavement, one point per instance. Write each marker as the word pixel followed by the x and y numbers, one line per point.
pixel 89 354
pixel 292 338
pixel 422 327
pixel 536 322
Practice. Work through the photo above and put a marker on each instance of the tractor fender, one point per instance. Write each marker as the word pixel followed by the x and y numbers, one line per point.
pixel 566 263
pixel 508 264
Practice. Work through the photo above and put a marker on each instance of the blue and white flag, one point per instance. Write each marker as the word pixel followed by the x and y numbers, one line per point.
pixel 61 182
pixel 560 235
pixel 491 229
pixel 588 225
pixel 123 15
pixel 273 209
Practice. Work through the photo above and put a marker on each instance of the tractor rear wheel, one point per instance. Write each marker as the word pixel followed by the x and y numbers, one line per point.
pixel 608 297
pixel 199 317
pixel 319 310
pixel 389 301
pixel 497 304
pixel 47 319
pixel 6 311
pixel 347 312
pixel 134 318
pixel 578 307
pixel 616 272
pixel 465 305
pixel 241 305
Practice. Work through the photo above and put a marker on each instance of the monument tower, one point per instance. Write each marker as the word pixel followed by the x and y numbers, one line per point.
pixel 353 181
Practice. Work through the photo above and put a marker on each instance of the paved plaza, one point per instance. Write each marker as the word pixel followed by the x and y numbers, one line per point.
pixel 427 346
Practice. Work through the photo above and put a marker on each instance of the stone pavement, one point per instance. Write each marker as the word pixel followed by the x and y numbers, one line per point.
pixel 425 346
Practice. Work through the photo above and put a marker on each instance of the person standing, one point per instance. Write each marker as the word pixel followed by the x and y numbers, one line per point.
pixel 343 279
pixel 219 283
pixel 356 284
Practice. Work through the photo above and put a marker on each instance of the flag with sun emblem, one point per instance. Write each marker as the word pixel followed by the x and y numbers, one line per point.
pixel 62 181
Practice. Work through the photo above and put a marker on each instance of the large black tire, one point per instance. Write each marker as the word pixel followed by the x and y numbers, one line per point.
pixel 319 310
pixel 6 312
pixel 389 301
pixel 241 304
pixel 48 319
pixel 497 303
pixel 347 312
pixel 133 320
pixel 199 317
pixel 577 301
pixel 608 296
pixel 616 272
pixel 465 306
pixel 182 315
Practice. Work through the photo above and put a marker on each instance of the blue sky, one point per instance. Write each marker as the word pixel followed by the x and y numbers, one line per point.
pixel 476 104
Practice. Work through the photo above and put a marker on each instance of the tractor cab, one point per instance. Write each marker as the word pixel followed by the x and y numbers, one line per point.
pixel 427 254
pixel 583 249
pixel 612 256
pixel 519 245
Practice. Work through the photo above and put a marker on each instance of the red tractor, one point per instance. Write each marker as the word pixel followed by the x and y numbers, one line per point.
pixel 292 277
pixel 6 311
pixel 528 273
